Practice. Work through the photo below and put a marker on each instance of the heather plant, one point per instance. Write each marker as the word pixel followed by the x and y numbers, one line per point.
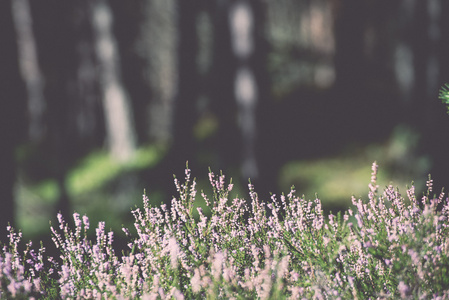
pixel 385 247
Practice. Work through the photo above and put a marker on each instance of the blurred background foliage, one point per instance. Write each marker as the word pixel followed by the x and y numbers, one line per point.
pixel 101 100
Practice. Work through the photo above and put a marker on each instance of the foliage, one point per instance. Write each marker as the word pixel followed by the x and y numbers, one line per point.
pixel 283 248
pixel 444 95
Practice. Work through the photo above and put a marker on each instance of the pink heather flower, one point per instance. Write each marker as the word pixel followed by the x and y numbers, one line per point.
pixel 414 256
pixel 217 265
pixel 38 266
pixel 351 281
pixel 37 284
pixel 100 232
pixel 126 231
pixel 441 197
pixel 174 251
pixel 76 218
pixel 206 199
pixel 359 220
pixel 196 281
pixel 13 287
pixel 283 267
pixel 193 190
pixel 110 237
pixel 86 222
pixel 221 182
pixel 373 186
pixel 296 292
pixel 294 276
pixel 211 178
pixel 411 193
pixel 60 220
pixel 177 294
pixel 429 184
pixel 403 289
pixel 267 251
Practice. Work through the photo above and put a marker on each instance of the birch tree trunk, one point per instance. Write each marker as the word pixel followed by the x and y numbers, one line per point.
pixel 29 67
pixel 118 112
pixel 157 46
pixel 238 66
pixel 11 98
pixel 241 22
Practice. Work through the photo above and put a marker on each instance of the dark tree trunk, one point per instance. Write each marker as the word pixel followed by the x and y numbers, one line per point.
pixel 147 34
pixel 12 110
pixel 443 46
pixel 433 45
pixel 421 50
pixel 441 125
pixel 184 146
pixel 224 106
pixel 350 64
pixel 60 26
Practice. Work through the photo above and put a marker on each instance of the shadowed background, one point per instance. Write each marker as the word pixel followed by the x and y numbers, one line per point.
pixel 103 99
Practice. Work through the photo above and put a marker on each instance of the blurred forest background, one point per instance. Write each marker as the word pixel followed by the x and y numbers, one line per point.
pixel 103 99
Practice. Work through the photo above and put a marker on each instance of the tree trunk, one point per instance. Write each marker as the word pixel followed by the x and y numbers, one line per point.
pixel 117 109
pixel 350 68
pixel 184 146
pixel 441 164
pixel 431 44
pixel 158 46
pixel 223 104
pixel 12 101
pixel 29 68
pixel 63 38
pixel 241 21
pixel 403 63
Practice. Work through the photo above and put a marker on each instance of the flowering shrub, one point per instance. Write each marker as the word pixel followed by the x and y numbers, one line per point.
pixel 386 247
